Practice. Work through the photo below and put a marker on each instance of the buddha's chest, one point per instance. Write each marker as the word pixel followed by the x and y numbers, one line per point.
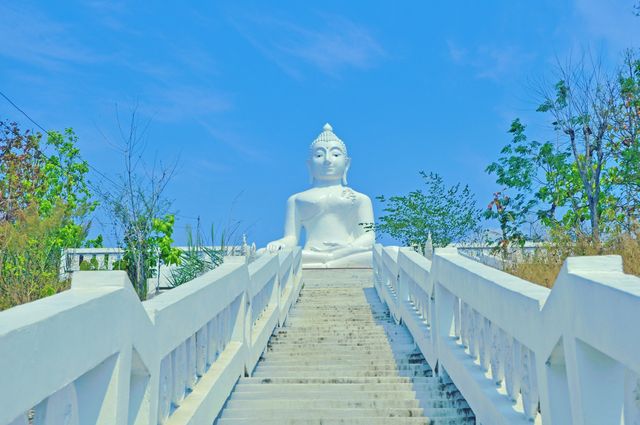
pixel 312 205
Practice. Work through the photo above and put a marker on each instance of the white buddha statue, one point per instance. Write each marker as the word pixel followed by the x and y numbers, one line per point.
pixel 330 213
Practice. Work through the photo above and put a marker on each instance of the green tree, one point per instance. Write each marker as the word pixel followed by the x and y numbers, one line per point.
pixel 543 185
pixel 449 214
pixel 45 174
pixel 44 205
pixel 510 213
pixel 582 105
pixel 626 141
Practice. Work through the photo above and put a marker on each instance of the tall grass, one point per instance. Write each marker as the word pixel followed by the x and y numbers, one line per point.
pixel 543 266
pixel 198 258
pixel 30 257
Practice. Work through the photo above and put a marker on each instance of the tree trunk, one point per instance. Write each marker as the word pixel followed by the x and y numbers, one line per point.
pixel 595 225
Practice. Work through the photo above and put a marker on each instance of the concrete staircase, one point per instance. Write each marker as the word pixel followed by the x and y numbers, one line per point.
pixel 341 359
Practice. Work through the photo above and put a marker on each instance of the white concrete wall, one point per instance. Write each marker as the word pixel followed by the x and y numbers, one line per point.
pixel 511 346
pixel 96 355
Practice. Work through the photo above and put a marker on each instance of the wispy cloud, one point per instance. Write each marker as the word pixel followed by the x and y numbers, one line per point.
pixel 174 103
pixel 341 44
pixel 236 142
pixel 43 42
pixel 172 87
pixel 489 61
pixel 112 14
pixel 612 21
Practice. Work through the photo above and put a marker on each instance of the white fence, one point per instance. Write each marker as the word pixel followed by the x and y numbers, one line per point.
pixel 518 352
pixel 96 355
pixel 104 258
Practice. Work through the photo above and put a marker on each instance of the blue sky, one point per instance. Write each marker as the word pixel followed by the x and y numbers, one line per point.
pixel 237 91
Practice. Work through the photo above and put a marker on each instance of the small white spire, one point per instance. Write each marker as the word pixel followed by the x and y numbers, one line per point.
pixel 327 127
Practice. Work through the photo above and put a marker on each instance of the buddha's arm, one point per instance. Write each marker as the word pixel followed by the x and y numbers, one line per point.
pixel 291 228
pixel 365 238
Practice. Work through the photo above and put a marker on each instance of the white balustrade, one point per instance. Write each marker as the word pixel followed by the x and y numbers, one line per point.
pixel 96 354
pixel 518 352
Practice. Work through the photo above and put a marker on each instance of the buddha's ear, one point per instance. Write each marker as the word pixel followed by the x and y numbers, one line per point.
pixel 346 170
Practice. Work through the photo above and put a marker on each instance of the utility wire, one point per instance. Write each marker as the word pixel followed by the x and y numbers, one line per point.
pixel 100 173
pixel 118 186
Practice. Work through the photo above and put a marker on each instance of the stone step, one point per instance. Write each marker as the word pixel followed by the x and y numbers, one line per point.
pixel 317 352
pixel 297 413
pixel 465 412
pixel 341 359
pixel 430 389
pixel 332 357
pixel 333 421
pixel 337 330
pixel 289 403
pixel 357 362
pixel 337 335
pixel 380 342
pixel 278 369
pixel 342 372
pixel 325 395
pixel 324 387
pixel 340 380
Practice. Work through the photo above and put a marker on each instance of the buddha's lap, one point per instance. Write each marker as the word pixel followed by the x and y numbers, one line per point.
pixel 323 259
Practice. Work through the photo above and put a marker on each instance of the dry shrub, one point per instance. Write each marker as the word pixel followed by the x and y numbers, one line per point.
pixel 543 266
pixel 30 257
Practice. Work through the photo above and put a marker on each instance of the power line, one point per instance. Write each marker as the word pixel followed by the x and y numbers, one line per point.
pixel 100 173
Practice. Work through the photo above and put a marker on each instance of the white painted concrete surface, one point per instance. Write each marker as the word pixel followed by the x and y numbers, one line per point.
pixel 511 346
pixel 96 355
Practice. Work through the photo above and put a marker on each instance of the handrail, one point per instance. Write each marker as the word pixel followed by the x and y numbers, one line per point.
pixel 519 352
pixel 95 354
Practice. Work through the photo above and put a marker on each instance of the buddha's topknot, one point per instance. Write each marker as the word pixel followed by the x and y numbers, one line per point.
pixel 328 135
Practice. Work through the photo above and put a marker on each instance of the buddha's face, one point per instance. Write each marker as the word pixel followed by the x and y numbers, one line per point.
pixel 328 161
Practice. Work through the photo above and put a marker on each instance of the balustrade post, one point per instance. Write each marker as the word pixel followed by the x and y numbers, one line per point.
pixel 201 350
pixel 497 348
pixel 456 318
pixel 403 294
pixel 443 320
pixel 473 334
pixel 512 367
pixel 179 373
pixel 248 326
pixel 464 325
pixel 165 382
pixel 60 407
pixel 485 342
pixel 529 384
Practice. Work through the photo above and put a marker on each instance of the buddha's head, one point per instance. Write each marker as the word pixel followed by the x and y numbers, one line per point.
pixel 328 159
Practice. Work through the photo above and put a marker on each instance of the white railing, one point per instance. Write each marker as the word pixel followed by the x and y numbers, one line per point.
pixel 96 355
pixel 518 352
pixel 105 258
